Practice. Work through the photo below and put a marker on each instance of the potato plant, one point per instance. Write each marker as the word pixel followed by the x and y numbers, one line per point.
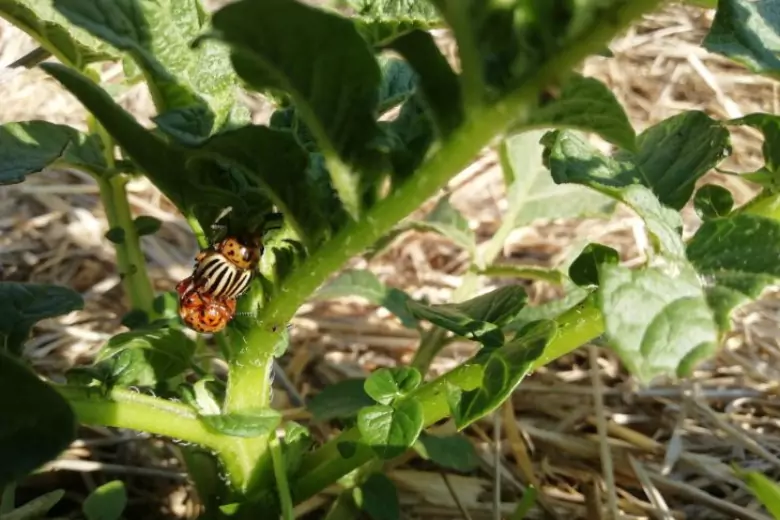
pixel 330 177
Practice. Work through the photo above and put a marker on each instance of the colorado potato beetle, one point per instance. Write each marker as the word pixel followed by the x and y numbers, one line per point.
pixel 202 312
pixel 225 270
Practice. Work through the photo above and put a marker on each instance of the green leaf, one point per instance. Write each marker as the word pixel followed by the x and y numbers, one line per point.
pixel 584 270
pixel 765 490
pixel 22 305
pixel 106 502
pixel 146 225
pixel 364 283
pixel 278 164
pixel 388 384
pixel 532 194
pixel 35 508
pixel 146 357
pixel 161 163
pixel 479 318
pixel 37 422
pixel 672 155
pixel 342 400
pixel 527 501
pixel 713 201
pixel 378 497
pixel 380 21
pixel 297 442
pixel 769 126
pixel 736 256
pixel 33 146
pixel 115 235
pixel 747 32
pixel 323 63
pixel 398 83
pixel 574 295
pixel 71 45
pixel 389 430
pixel 438 83
pixel 504 368
pixel 586 104
pixel 448 221
pixel 248 424
pixel 451 451
pixel 656 318
pixel 194 88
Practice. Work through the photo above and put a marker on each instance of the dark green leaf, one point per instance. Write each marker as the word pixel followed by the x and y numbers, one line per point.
pixel 323 63
pixel 737 257
pixel 713 201
pixel 584 270
pixel 380 21
pixel 378 497
pixel 195 89
pixel 365 284
pixel 412 134
pixel 480 318
pixel 147 357
pixel 22 305
pixel 452 451
pixel 146 225
pixel 764 489
pixel 390 431
pixel 657 318
pixel 573 296
pixel 33 146
pixel 438 83
pixel 163 164
pixel 398 83
pixel 275 161
pixel 769 126
pixel 532 193
pixel 342 400
pixel 505 367
pixel 586 104
pixel 70 44
pixel 671 157
pixel 387 384
pixel 37 422
pixel 115 235
pixel 747 32
pixel 106 502
pixel 246 424
pixel 35 508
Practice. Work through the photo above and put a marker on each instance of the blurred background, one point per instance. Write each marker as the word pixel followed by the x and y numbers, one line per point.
pixel 674 442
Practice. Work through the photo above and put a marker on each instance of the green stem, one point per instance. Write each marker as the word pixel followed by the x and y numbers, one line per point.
pixel 325 465
pixel 280 472
pixel 249 388
pixel 130 259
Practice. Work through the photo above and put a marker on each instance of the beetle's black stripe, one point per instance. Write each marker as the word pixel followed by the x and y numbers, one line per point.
pixel 218 277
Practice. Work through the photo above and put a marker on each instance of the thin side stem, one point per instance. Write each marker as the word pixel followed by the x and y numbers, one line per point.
pixel 130 259
pixel 282 486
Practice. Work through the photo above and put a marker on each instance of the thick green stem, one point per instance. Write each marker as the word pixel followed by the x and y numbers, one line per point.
pixel 325 465
pixel 249 388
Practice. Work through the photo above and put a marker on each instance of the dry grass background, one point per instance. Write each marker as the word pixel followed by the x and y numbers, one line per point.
pixel 571 428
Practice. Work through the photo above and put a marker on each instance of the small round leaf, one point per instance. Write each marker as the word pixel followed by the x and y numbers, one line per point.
pixel 390 431
pixel 585 269
pixel 146 225
pixel 115 235
pixel 712 201
pixel 387 384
